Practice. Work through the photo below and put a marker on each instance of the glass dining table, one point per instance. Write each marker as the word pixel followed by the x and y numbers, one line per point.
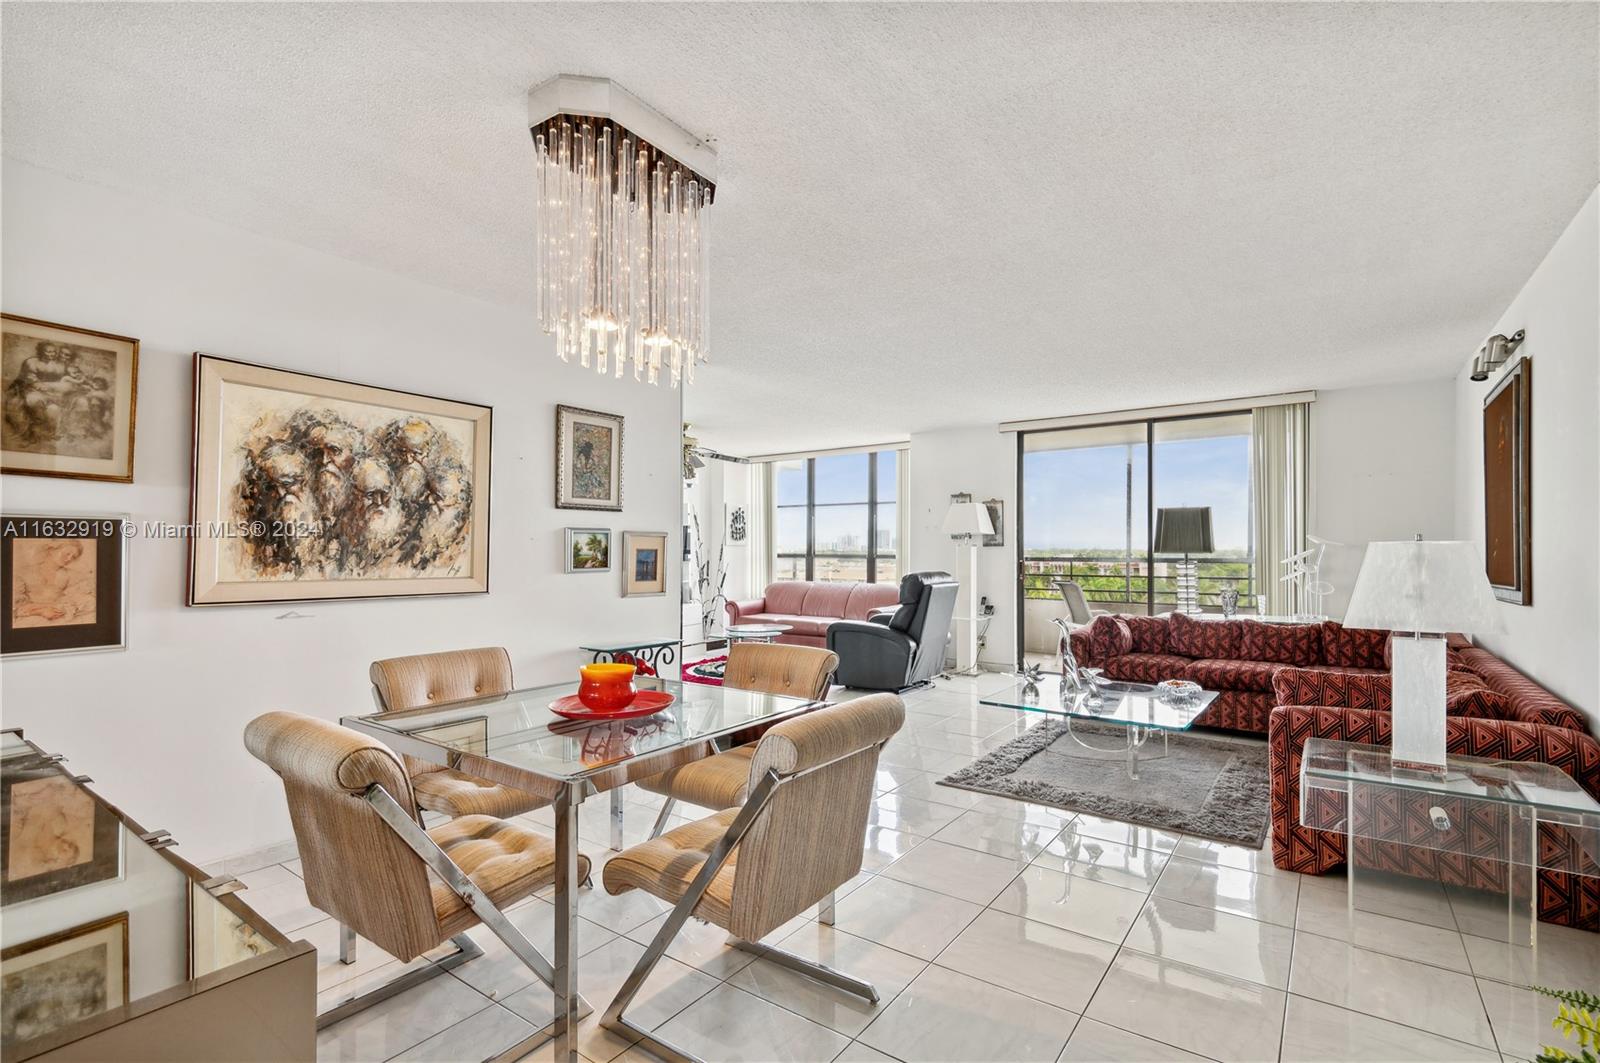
pixel 515 739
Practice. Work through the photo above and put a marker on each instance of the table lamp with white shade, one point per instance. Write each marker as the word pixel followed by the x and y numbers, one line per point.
pixel 969 521
pixel 1425 589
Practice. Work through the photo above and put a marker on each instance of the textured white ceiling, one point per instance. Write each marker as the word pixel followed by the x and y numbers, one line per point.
pixel 927 214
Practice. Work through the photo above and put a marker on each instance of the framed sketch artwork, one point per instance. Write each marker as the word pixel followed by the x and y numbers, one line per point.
pixel 588 459
pixel 588 549
pixel 54 836
pixel 307 488
pixel 644 564
pixel 63 978
pixel 738 526
pixel 68 397
pixel 65 580
pixel 1508 485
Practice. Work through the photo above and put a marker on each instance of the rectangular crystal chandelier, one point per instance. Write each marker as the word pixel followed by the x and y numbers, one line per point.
pixel 620 224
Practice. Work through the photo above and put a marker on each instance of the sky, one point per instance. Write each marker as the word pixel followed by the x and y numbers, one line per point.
pixel 840 479
pixel 1077 499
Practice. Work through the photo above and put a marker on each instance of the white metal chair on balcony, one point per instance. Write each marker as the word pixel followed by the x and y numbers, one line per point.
pixel 1078 610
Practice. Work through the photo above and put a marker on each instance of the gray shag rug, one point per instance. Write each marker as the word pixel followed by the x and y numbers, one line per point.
pixel 1214 786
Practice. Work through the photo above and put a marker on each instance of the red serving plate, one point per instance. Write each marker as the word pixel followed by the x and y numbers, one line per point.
pixel 645 703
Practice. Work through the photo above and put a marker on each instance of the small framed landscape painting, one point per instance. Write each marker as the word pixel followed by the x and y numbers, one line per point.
pixel 644 564
pixel 69 398
pixel 1508 485
pixel 588 459
pixel 59 979
pixel 64 577
pixel 308 489
pixel 588 549
pixel 54 836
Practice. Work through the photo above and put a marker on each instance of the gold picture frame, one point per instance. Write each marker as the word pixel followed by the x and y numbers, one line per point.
pixel 306 488
pixel 54 981
pixel 70 398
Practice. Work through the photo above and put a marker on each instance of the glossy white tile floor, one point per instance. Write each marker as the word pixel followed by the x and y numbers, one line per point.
pixel 996 930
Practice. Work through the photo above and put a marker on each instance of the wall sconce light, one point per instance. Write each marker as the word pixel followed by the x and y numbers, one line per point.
pixel 1495 353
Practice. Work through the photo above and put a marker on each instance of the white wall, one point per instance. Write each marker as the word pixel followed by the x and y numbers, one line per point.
pixel 1556 639
pixel 1382 467
pixel 982 462
pixel 159 726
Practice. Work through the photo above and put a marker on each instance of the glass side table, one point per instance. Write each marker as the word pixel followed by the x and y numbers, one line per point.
pixel 657 653
pixel 1488 810
pixel 756 632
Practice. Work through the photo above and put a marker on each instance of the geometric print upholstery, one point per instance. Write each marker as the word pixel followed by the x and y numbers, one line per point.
pixel 1206 638
pixel 1567 899
pixel 1465 693
pixel 1353 647
pixel 1254 676
pixel 1149 634
pixel 1149 667
pixel 1299 644
pixel 1530 702
pixel 1238 710
pixel 1110 636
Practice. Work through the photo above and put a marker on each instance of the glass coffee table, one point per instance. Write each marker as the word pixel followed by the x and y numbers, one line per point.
pixel 755 632
pixel 1137 708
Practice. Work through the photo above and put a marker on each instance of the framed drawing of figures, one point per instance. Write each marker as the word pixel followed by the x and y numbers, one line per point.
pixel 54 836
pixel 307 489
pixel 64 578
pixel 644 564
pixel 54 981
pixel 588 459
pixel 1508 485
pixel 68 397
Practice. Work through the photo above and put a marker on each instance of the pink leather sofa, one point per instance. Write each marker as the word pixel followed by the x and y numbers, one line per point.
pixel 808 608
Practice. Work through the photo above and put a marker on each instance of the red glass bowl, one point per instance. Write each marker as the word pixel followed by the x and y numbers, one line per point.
pixel 645 703
pixel 606 686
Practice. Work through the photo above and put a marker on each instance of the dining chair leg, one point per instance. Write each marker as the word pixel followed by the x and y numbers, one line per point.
pixel 612 1018
pixel 564 982
pixel 821 972
pixel 466 949
pixel 347 944
pixel 825 909
pixel 400 821
pixel 661 819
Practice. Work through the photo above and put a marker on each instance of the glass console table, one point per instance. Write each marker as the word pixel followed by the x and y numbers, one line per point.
pixel 1137 708
pixel 1489 810
pixel 114 947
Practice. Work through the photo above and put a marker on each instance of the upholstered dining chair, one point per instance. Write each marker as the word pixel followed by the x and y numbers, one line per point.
pixel 722 779
pixel 433 679
pixel 751 869
pixel 367 860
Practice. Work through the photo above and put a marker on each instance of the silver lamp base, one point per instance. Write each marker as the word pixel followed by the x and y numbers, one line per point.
pixel 1188 582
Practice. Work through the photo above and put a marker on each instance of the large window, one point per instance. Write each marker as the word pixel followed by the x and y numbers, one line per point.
pixel 836 517
pixel 1089 497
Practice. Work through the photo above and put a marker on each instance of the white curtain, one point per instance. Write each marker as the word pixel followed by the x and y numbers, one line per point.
pixel 761 527
pixel 1279 459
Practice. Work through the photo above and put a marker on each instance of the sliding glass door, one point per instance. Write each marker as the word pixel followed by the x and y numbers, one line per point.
pixel 1087 515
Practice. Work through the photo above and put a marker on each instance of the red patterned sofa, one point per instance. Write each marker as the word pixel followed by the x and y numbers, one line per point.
pixel 1510 718
pixel 809 607
pixel 1238 658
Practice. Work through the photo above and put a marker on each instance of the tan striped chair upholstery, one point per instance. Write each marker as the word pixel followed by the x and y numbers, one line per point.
pixel 433 679
pixel 721 781
pixel 797 840
pixel 357 869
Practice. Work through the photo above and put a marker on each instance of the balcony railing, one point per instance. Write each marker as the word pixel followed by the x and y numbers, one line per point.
pixel 1114 581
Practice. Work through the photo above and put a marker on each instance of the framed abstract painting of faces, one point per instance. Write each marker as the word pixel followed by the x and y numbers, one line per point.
pixel 307 489
pixel 68 396
pixel 588 459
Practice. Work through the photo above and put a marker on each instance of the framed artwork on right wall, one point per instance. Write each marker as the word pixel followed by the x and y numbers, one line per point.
pixel 1508 485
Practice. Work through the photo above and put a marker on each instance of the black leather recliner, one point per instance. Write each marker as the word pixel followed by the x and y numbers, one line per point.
pixel 900 646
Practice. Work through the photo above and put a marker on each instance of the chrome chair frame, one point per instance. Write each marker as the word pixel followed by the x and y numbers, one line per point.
pixel 612 1018
pixel 489 914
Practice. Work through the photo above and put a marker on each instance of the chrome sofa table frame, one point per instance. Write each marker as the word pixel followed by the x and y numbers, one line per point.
pixel 525 745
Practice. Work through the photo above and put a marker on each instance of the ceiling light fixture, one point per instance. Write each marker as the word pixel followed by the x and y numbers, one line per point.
pixel 621 236
pixel 1495 352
